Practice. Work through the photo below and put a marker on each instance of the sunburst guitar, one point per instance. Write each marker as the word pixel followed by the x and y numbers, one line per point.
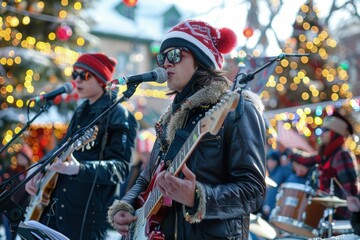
pixel 47 183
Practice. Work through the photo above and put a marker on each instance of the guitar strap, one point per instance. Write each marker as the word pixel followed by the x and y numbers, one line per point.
pixel 180 138
pixel 232 117
pixel 182 134
pixel 236 115
pixel 240 107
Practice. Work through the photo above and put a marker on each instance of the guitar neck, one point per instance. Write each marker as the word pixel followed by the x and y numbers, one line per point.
pixel 155 197
pixel 50 174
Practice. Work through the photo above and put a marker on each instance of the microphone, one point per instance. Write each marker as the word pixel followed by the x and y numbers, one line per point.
pixel 158 75
pixel 66 88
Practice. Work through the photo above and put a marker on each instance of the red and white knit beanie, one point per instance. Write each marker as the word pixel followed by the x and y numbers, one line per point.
pixel 205 42
pixel 99 65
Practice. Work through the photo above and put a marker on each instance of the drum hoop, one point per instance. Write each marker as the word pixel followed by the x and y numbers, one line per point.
pixel 291 222
pixel 297 186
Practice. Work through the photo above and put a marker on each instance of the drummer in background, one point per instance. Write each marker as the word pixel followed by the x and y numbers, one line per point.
pixel 334 161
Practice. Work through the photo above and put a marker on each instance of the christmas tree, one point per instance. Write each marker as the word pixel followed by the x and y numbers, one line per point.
pixel 312 86
pixel 40 41
pixel 319 76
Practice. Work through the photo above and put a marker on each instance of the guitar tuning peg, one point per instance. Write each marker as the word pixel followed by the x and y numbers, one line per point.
pixel 82 149
pixel 77 145
pixel 88 146
pixel 92 143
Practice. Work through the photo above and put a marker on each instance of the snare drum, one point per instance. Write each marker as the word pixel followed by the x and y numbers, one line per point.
pixel 294 212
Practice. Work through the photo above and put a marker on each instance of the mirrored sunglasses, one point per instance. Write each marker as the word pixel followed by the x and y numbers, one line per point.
pixel 173 56
pixel 84 75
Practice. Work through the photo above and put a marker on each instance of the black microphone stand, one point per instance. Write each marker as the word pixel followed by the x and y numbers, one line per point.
pixel 242 79
pixel 9 208
pixel 14 212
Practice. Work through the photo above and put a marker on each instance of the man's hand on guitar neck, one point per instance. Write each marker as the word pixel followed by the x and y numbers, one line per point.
pixel 69 167
pixel 177 189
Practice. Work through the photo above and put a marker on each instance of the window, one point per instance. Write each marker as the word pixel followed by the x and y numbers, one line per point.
pixel 171 17
pixel 128 12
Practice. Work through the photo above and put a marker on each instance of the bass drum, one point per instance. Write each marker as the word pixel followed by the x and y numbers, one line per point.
pixel 294 212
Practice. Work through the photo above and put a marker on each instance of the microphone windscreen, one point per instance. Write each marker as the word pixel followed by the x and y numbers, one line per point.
pixel 162 75
pixel 69 87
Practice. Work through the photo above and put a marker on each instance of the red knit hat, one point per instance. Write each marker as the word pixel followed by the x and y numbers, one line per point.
pixel 205 42
pixel 98 64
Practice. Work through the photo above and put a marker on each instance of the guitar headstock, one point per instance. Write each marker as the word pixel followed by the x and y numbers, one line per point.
pixel 86 139
pixel 215 117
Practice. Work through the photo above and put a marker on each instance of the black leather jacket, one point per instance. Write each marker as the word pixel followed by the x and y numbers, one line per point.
pixel 72 192
pixel 231 168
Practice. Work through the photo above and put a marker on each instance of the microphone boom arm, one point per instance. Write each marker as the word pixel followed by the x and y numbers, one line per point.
pixel 245 78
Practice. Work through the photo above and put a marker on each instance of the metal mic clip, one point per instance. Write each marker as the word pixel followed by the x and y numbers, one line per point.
pixel 113 84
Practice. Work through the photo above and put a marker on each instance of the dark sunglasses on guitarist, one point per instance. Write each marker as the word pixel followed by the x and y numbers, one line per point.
pixel 84 75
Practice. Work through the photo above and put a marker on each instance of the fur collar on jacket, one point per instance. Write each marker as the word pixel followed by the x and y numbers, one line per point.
pixel 205 96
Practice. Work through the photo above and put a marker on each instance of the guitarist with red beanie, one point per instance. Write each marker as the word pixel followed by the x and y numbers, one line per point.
pixel 88 178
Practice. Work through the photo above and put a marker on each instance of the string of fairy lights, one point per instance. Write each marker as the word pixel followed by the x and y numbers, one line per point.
pixel 307 120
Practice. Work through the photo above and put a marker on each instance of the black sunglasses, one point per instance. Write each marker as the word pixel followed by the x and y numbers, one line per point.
pixel 173 56
pixel 84 75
